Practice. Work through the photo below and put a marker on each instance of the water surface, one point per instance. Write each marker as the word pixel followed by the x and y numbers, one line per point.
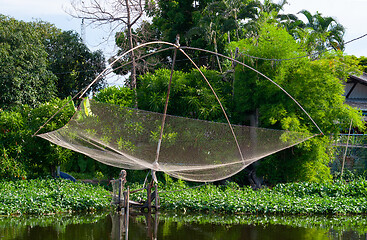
pixel 173 226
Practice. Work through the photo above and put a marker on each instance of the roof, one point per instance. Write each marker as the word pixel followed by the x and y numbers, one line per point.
pixel 362 79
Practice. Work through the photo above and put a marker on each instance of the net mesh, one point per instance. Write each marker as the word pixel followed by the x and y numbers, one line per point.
pixel 191 149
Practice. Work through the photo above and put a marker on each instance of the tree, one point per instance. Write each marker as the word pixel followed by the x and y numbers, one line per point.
pixel 316 85
pixel 114 13
pixel 172 18
pixel 73 63
pixel 39 62
pixel 24 74
pixel 322 32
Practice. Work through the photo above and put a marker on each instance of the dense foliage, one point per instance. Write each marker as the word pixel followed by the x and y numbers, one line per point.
pixel 190 95
pixel 316 84
pixel 25 155
pixel 122 96
pixel 44 196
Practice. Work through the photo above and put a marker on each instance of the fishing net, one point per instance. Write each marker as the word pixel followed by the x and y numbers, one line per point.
pixel 190 149
pixel 184 148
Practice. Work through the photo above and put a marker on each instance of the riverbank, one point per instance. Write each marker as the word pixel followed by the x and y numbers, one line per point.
pixel 49 196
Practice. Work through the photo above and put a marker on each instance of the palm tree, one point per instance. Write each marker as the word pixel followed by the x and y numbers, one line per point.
pixel 325 32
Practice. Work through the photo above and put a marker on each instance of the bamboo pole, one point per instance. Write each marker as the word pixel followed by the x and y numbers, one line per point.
pixel 119 196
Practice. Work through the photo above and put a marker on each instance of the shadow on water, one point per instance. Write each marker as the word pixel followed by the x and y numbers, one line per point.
pixel 173 226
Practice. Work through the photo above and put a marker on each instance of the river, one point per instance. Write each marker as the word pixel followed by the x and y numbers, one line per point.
pixel 175 226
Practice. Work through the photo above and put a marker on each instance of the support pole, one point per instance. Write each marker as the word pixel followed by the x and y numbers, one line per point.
pixel 119 207
pixel 166 103
pixel 156 222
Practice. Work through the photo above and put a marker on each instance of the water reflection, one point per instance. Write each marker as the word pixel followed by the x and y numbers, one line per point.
pixel 114 226
pixel 120 225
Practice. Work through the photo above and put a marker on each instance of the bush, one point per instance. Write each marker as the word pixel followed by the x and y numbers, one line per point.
pixel 24 155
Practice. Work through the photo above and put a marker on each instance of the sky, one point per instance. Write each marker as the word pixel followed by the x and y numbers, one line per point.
pixel 350 13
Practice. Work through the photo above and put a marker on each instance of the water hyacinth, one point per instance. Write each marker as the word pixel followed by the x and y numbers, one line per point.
pixel 292 198
pixel 45 196
pixel 53 196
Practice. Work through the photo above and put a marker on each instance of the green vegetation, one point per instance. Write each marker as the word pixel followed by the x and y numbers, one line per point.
pixel 24 74
pixel 22 155
pixel 45 196
pixel 316 84
pixel 190 95
pixel 291 198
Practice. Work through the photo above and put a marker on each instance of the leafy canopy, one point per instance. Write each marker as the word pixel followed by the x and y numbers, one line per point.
pixel 316 85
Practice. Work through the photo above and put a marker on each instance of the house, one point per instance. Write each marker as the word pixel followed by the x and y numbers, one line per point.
pixel 356 92
pixel 356 157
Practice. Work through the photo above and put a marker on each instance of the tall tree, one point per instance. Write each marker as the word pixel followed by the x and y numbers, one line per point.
pixel 142 34
pixel 118 14
pixel 24 76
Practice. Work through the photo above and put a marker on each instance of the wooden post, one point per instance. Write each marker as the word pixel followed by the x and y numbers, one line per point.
pixel 119 196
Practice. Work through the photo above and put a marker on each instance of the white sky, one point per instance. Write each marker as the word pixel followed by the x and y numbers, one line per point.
pixel 350 13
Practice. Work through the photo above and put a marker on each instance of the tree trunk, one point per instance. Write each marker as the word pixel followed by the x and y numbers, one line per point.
pixel 131 46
